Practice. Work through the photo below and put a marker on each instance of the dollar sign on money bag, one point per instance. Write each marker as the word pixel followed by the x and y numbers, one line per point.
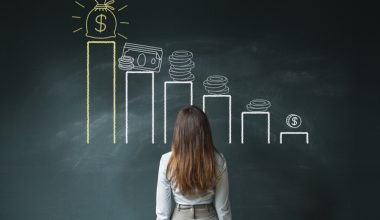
pixel 101 21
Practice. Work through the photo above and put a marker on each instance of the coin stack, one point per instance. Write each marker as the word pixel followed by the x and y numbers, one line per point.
pixel 260 105
pixel 181 65
pixel 216 85
pixel 126 63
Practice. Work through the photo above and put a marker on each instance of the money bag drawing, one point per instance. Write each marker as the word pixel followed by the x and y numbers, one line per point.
pixel 101 21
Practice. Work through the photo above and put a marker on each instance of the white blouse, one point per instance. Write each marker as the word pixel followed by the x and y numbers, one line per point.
pixel 217 195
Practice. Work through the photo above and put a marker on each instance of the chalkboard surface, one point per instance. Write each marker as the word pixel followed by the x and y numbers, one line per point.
pixel 293 54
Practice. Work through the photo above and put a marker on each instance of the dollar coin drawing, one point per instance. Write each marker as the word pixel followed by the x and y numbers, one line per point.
pixel 293 121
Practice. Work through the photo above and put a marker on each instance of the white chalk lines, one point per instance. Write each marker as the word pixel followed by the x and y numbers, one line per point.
pixel 229 111
pixel 141 59
pixel 190 83
pixel 100 22
pixel 127 100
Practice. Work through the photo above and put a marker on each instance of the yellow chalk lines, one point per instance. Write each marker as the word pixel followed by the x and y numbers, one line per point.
pixel 122 36
pixel 74 31
pixel 113 43
pixel 76 2
pixel 122 7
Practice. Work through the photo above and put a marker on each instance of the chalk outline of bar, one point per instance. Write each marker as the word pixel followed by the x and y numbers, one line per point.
pixel 191 99
pixel 88 88
pixel 255 113
pixel 126 101
pixel 295 132
pixel 229 110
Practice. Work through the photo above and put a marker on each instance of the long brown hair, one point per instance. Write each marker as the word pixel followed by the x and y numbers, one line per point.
pixel 192 166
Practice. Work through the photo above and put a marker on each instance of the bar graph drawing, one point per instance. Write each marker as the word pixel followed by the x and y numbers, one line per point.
pixel 166 83
pixel 101 24
pixel 181 63
pixel 229 110
pixel 126 101
pixel 255 113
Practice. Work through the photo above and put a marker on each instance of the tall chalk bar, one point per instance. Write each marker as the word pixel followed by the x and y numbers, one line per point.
pixel 126 101
pixel 282 134
pixel 90 107
pixel 166 84
pixel 267 114
pixel 229 110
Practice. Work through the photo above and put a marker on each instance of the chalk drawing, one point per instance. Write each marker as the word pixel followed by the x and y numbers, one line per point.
pixel 79 4
pixel 165 99
pixel 229 110
pixel 101 21
pixel 258 105
pixel 122 8
pixel 255 113
pixel 141 58
pixel 295 133
pixel 181 64
pixel 126 101
pixel 113 44
pixel 126 63
pixel 216 85
pixel 100 24
pixel 293 121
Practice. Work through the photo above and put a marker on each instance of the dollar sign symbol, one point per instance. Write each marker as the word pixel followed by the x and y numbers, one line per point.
pixel 294 121
pixel 99 19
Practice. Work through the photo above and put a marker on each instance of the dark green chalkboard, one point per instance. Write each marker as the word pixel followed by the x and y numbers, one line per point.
pixel 296 55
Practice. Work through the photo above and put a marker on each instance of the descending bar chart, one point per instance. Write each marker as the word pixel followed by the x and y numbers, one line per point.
pixel 101 25
pixel 166 83
pixel 142 59
pixel 229 110
pixel 126 101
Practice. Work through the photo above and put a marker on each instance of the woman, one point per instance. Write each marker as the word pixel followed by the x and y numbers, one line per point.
pixel 194 171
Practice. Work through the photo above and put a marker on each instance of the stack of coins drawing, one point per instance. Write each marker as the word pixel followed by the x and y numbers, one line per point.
pixel 126 63
pixel 216 85
pixel 260 105
pixel 181 65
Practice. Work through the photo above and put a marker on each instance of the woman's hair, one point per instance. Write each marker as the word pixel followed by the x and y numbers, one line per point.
pixel 192 166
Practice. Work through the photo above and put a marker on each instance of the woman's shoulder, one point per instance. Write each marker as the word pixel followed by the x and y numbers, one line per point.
pixel 167 154
pixel 164 161
pixel 220 161
pixel 165 157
